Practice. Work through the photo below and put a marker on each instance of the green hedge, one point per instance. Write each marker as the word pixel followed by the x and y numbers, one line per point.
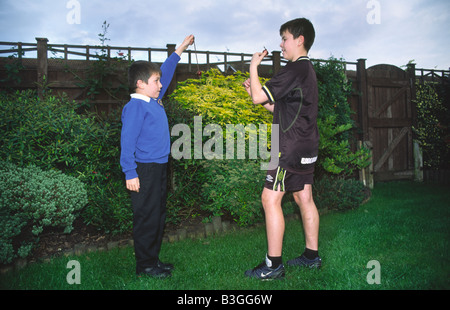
pixel 50 134
pixel 233 187
pixel 31 199
pixel 431 129
pixel 331 193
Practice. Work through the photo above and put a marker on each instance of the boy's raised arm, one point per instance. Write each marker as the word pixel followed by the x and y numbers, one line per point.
pixel 256 91
pixel 253 85
pixel 168 67
pixel 189 40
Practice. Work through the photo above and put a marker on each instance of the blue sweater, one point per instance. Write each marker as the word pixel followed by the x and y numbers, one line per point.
pixel 145 134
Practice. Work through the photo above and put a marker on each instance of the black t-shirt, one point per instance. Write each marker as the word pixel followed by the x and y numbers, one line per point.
pixel 293 90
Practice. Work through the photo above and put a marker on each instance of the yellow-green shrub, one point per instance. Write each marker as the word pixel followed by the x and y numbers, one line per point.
pixel 220 99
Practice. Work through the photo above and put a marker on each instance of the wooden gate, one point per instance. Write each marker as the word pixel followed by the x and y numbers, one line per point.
pixel 389 122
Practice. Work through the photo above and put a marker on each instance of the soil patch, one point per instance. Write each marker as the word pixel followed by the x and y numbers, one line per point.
pixel 53 242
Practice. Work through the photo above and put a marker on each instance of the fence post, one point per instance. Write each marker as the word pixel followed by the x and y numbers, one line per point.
pixel 173 83
pixel 42 64
pixel 363 119
pixel 276 61
pixel 417 151
pixel 362 99
pixel 411 71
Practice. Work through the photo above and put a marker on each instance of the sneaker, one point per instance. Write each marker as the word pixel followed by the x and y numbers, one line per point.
pixel 302 261
pixel 264 272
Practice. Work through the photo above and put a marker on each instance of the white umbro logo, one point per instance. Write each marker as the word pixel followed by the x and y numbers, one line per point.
pixel 307 161
pixel 269 178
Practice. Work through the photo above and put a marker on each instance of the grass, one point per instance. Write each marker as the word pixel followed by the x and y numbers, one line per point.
pixel 405 227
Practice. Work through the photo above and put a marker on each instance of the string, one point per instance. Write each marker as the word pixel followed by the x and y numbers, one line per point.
pixel 196 58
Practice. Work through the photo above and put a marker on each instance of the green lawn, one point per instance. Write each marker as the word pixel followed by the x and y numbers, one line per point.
pixel 405 227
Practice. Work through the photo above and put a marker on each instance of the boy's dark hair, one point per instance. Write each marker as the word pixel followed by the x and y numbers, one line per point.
pixel 141 70
pixel 300 27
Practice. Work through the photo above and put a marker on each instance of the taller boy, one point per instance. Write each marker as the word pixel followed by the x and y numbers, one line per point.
pixel 145 143
pixel 292 96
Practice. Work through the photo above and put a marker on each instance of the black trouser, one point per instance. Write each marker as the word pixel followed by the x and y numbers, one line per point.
pixel 149 213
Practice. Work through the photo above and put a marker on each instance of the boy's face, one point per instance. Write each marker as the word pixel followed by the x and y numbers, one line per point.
pixel 290 46
pixel 150 88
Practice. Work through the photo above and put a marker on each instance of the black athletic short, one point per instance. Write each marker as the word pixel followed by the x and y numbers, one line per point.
pixel 282 180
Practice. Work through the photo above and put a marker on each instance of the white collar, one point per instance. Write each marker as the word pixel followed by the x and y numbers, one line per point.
pixel 140 96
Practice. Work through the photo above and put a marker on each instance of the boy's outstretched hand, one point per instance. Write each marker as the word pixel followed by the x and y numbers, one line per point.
pixel 189 40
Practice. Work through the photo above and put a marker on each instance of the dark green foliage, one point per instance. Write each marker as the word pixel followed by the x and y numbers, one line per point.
pixel 50 134
pixel 432 126
pixel 31 199
pixel 336 156
pixel 332 193
pixel 233 187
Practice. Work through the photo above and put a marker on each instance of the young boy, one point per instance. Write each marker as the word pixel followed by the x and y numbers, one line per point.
pixel 145 143
pixel 292 96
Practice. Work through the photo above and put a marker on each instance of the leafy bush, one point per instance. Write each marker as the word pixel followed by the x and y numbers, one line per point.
pixel 220 99
pixel 335 124
pixel 432 126
pixel 332 193
pixel 225 187
pixel 31 199
pixel 335 154
pixel 233 187
pixel 50 134
pixel 109 205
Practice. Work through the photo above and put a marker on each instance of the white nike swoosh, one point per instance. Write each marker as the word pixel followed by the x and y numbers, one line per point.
pixel 265 274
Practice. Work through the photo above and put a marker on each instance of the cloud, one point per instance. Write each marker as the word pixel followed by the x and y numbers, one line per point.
pixel 409 29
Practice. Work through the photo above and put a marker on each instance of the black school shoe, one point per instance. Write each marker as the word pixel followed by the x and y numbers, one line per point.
pixel 264 272
pixel 154 272
pixel 165 266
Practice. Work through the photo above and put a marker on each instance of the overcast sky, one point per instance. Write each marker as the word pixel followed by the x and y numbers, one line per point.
pixel 381 31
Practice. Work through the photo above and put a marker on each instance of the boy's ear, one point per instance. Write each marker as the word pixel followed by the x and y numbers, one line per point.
pixel 140 84
pixel 301 40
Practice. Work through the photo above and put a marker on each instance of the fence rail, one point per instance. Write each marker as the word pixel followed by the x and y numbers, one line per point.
pixel 88 52
pixel 127 52
pixel 433 75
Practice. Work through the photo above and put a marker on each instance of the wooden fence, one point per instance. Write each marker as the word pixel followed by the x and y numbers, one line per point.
pixel 78 56
pixel 382 99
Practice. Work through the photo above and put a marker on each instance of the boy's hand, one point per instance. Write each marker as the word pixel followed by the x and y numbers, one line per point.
pixel 258 57
pixel 246 84
pixel 189 40
pixel 133 185
pixel 253 86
